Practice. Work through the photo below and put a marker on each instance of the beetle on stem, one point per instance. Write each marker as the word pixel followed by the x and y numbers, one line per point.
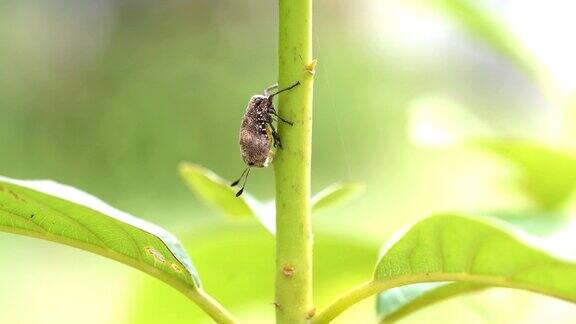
pixel 258 137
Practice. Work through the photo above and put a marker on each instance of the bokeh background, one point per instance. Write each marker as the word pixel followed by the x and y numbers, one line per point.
pixel 110 95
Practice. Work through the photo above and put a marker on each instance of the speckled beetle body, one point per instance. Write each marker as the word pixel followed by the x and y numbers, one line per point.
pixel 258 136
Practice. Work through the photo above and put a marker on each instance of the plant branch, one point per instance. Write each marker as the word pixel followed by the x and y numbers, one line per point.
pixel 374 287
pixel 209 305
pixel 350 298
pixel 292 166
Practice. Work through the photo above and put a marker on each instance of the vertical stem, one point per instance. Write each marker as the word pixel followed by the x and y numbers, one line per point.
pixel 292 167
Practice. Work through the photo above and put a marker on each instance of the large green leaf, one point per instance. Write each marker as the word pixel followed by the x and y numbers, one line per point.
pixel 62 214
pixel 398 302
pixel 476 254
pixel 446 248
pixel 55 212
pixel 548 176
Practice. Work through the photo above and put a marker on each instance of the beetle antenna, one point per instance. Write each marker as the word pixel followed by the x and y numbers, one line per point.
pixel 244 183
pixel 289 88
pixel 237 181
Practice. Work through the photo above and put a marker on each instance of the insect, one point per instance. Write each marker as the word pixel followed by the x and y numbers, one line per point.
pixel 258 137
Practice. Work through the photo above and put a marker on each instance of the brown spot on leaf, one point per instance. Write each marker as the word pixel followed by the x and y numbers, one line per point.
pixel 176 267
pixel 155 254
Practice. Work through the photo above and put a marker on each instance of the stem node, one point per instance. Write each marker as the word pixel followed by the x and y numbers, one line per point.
pixel 288 271
pixel 311 313
pixel 311 67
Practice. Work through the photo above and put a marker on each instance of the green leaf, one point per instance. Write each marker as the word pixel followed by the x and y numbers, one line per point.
pixel 336 193
pixel 548 176
pixel 62 214
pixel 215 191
pixel 474 253
pixel 399 302
pixel 331 196
pixel 452 248
pixel 484 25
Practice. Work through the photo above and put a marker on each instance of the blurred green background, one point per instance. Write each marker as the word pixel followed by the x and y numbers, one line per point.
pixel 110 95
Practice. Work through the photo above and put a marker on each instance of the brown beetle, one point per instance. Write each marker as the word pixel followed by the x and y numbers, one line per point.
pixel 258 137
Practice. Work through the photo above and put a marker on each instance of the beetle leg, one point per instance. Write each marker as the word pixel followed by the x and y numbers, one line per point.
pixel 276 137
pixel 244 183
pixel 241 176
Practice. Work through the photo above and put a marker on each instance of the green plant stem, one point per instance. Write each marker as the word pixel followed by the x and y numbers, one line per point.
pixel 370 288
pixel 292 167
pixel 366 290
pixel 210 306
pixel 350 298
